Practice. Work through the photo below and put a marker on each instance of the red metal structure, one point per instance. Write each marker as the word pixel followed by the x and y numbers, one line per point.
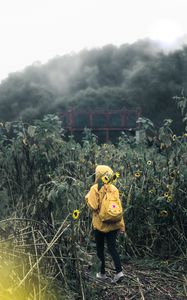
pixel 101 122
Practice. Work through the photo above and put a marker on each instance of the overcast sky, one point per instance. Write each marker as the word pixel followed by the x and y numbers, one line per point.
pixel 38 30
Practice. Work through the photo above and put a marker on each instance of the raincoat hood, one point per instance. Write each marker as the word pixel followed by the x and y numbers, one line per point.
pixel 102 170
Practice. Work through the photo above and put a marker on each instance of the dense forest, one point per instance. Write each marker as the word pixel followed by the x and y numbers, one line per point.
pixel 132 75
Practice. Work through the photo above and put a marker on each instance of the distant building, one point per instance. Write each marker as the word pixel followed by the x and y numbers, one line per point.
pixel 106 124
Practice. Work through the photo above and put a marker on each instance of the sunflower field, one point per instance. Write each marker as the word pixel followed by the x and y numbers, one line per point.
pixel 47 249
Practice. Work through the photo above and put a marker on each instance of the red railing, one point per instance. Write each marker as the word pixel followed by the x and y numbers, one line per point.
pixel 100 120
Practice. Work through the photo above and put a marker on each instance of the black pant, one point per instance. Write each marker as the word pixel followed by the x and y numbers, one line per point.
pixel 111 244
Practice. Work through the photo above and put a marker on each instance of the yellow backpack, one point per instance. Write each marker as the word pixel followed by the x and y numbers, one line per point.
pixel 111 209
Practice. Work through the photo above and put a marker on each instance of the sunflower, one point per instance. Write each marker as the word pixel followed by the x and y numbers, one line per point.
pixel 24 141
pixel 151 191
pixel 117 174
pixel 169 186
pixel 169 199
pixel 105 179
pixel 137 174
pixel 162 146
pixel 166 194
pixel 174 137
pixel 75 214
pixel 149 162
pixel 163 213
pixel 172 175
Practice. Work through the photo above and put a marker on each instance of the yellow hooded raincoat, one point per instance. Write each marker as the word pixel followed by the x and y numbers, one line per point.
pixel 94 200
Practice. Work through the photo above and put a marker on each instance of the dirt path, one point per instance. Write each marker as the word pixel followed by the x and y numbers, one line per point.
pixel 141 282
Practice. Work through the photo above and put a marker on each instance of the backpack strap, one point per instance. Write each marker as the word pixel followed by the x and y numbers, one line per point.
pixel 104 191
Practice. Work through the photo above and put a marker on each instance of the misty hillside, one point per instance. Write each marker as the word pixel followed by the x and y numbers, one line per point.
pixel 111 77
